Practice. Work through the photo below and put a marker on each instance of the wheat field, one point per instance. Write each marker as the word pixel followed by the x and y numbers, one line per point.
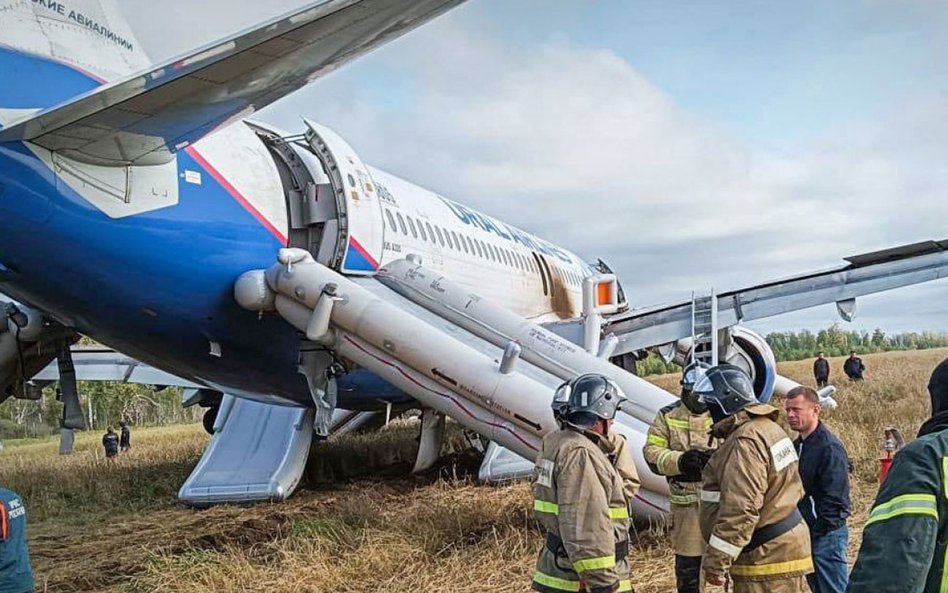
pixel 362 523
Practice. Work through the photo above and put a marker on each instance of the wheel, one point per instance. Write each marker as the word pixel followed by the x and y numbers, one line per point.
pixel 210 417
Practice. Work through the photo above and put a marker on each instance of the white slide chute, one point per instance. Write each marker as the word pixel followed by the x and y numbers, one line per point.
pixel 446 347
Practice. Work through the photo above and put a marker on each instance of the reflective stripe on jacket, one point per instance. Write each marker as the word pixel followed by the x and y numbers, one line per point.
pixel 581 500
pixel 904 538
pixel 753 481
pixel 674 431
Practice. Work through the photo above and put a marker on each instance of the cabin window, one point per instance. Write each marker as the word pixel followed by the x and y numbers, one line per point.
pixel 401 224
pixel 447 238
pixel 440 236
pixel 480 252
pixel 411 225
pixel 421 231
pixel 431 232
pixel 457 244
pixel 391 219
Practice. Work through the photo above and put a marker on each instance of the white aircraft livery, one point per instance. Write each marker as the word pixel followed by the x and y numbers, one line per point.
pixel 285 279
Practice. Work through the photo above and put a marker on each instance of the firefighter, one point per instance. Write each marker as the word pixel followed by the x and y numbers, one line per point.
pixel 580 497
pixel 613 444
pixel 755 535
pixel 678 448
pixel 903 541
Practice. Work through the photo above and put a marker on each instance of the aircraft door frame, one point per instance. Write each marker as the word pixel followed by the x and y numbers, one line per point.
pixel 361 225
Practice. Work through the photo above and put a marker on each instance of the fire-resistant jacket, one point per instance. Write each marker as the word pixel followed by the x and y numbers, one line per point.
pixel 904 538
pixel 753 481
pixel 617 450
pixel 676 430
pixel 580 500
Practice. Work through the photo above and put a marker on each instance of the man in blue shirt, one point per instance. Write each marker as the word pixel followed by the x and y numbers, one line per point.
pixel 16 576
pixel 824 470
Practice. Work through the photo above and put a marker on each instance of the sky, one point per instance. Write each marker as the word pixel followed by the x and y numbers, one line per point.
pixel 691 145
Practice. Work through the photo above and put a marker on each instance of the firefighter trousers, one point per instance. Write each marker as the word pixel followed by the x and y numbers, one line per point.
pixel 794 584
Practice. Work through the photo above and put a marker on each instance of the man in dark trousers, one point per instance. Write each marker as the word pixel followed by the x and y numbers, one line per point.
pixel 824 470
pixel 853 367
pixel 903 540
pixel 821 371
pixel 16 575
pixel 125 438
pixel 110 441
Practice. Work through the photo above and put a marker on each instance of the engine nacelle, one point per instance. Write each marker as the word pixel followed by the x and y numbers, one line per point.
pixel 750 351
pixel 743 348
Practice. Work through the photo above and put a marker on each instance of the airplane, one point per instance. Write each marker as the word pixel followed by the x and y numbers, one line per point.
pixel 142 206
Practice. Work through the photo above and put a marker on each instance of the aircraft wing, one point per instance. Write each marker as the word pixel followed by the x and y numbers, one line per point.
pixel 863 274
pixel 147 117
pixel 104 364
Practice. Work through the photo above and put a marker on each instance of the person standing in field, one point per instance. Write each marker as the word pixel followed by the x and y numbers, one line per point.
pixel 580 498
pixel 678 448
pixel 824 470
pixel 821 371
pixel 16 574
pixel 853 367
pixel 903 540
pixel 110 442
pixel 749 518
pixel 125 438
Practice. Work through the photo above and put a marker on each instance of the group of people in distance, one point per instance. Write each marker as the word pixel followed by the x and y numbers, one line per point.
pixel 113 443
pixel 853 367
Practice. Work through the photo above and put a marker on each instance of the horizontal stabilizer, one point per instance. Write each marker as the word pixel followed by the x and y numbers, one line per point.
pixel 146 118
pixel 104 364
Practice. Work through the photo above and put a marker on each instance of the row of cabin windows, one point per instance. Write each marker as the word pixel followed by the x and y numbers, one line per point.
pixel 433 233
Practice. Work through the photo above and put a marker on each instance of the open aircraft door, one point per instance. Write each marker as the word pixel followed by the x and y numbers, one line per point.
pixel 361 225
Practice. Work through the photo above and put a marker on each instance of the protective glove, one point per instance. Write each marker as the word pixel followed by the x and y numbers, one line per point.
pixel 691 463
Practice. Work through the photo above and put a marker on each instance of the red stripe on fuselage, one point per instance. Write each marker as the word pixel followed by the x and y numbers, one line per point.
pixel 236 194
pixel 363 252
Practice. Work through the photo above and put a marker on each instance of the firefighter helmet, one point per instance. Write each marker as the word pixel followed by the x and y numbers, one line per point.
pixel 725 390
pixel 586 398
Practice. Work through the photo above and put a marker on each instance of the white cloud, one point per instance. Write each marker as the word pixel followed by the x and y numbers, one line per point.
pixel 574 144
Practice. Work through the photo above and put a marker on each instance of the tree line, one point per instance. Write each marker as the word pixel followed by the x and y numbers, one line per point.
pixel 104 404
pixel 833 341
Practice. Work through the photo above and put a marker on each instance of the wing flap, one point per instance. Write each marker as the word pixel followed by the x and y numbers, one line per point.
pixel 147 117
pixel 865 274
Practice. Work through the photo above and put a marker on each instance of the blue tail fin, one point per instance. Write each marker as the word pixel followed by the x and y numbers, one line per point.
pixel 51 52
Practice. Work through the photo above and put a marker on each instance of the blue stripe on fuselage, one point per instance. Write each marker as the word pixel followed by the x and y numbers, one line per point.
pixel 33 82
pixel 157 286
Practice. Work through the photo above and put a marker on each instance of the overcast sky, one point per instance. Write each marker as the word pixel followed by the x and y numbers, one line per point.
pixel 688 144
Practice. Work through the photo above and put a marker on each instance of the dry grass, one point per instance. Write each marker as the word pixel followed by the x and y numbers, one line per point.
pixel 394 533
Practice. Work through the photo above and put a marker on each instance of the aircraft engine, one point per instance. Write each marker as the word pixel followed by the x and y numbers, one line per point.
pixel 750 351
pixel 741 347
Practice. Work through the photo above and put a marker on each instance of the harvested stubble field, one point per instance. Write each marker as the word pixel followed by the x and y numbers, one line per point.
pixel 114 527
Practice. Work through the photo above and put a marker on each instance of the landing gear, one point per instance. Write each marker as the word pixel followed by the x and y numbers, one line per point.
pixel 210 417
